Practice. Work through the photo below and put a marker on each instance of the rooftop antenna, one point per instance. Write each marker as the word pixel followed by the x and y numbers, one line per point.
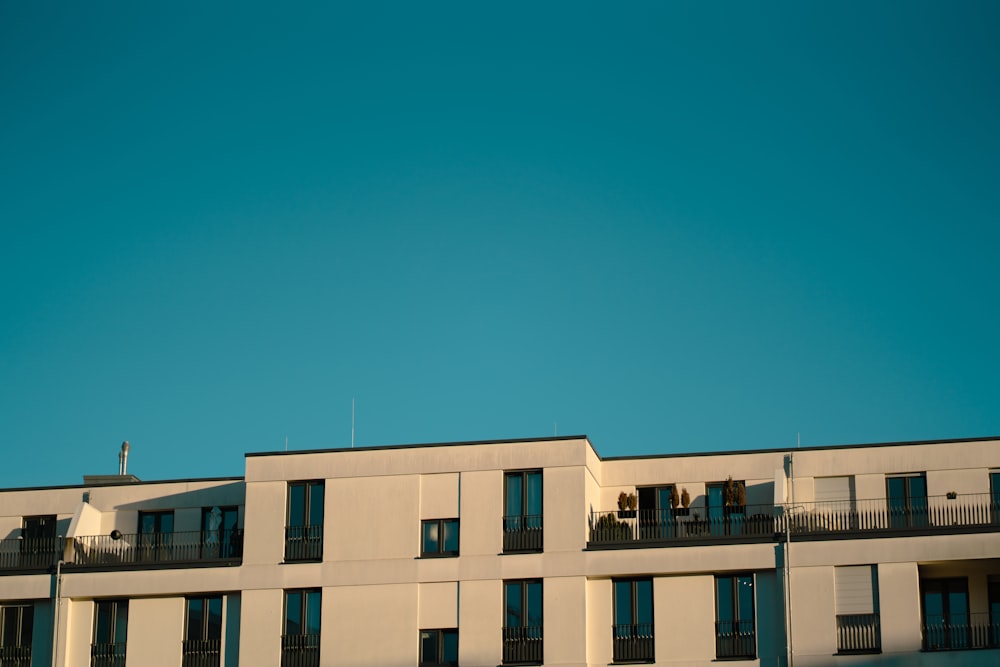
pixel 555 428
pixel 798 440
pixel 123 458
pixel 286 443
pixel 352 422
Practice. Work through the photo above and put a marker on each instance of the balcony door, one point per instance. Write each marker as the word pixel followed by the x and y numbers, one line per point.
pixel 945 606
pixel 656 516
pixel 907 500
pixel 156 531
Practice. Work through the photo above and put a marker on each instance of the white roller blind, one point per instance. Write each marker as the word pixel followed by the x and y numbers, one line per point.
pixel 834 488
pixel 854 590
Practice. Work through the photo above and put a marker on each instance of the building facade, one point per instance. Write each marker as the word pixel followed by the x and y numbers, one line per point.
pixel 521 552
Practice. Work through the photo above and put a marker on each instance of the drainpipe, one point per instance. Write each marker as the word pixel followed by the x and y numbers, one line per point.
pixel 56 602
pixel 788 564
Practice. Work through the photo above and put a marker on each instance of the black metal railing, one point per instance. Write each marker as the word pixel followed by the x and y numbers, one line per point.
pixel 858 633
pixel 107 655
pixel 523 645
pixel 201 653
pixel 15 656
pixel 633 642
pixel 963 631
pixel 304 543
pixel 815 520
pixel 299 650
pixel 158 547
pixel 522 532
pixel 735 639
pixel 30 553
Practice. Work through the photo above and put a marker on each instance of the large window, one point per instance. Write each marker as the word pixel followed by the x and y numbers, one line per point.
pixel 439 537
pixel 221 536
pixel 110 633
pixel 656 515
pixel 735 633
pixel 993 593
pixel 995 496
pixel 907 497
pixel 202 646
pixel 16 625
pixel 945 607
pixel 522 521
pixel 156 531
pixel 632 633
pixel 439 647
pixel 39 544
pixel 522 629
pixel 304 531
pixel 858 624
pixel 300 641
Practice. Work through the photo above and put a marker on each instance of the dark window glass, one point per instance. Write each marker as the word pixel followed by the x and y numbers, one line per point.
pixel 303 610
pixel 16 626
pixel 112 622
pixel 907 500
pixel 523 511
pixel 204 620
pixel 439 537
pixel 439 647
pixel 735 629
pixel 632 633
pixel 945 605
pixel 304 524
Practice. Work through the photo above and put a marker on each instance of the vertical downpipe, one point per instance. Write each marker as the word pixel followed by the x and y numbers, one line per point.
pixel 56 599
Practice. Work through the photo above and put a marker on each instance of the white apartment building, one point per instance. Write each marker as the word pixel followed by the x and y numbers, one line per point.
pixel 518 552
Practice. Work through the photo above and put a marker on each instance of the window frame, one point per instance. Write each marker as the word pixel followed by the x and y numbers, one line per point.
pixel 946 587
pixel 440 552
pixel 737 620
pixel 22 631
pixel 524 639
pixel 619 640
pixel 913 514
pixel 523 532
pixel 439 635
pixel 116 646
pixel 311 527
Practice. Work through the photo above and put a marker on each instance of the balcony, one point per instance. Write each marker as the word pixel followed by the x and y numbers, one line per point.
pixel 522 533
pixel 215 547
pixel 858 633
pixel 523 646
pixel 15 656
pixel 30 554
pixel 970 513
pixel 961 631
pixel 107 655
pixel 304 543
pixel 633 642
pixel 735 639
pixel 201 653
pixel 299 650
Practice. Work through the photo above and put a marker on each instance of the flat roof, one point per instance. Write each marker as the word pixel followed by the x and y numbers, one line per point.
pixel 144 482
pixel 370 448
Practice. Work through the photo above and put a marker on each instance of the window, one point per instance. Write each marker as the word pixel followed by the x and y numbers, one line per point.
pixel 220 533
pixel 110 630
pixel 995 496
pixel 656 515
pixel 522 629
pixel 39 545
pixel 439 537
pixel 439 647
pixel 726 506
pixel 16 625
pixel 203 638
pixel 945 607
pixel 632 633
pixel 858 627
pixel 735 635
pixel 907 495
pixel 155 536
pixel 304 531
pixel 522 521
pixel 993 598
pixel 300 641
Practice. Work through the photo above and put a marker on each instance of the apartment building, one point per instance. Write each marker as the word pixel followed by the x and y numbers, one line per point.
pixel 518 552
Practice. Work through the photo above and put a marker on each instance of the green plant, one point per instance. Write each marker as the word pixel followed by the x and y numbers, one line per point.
pixel 610 529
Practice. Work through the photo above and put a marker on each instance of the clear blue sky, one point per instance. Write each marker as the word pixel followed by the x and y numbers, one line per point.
pixel 669 226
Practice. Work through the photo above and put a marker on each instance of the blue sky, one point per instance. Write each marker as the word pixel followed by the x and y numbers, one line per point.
pixel 672 227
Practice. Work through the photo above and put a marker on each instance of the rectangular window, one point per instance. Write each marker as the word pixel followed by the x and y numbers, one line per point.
pixel 39 546
pixel 726 507
pixel 995 496
pixel 202 646
pixel 439 647
pixel 993 599
pixel 945 608
pixel 220 533
pixel 735 632
pixel 632 633
pixel 522 629
pixel 522 521
pixel 907 500
pixel 656 513
pixel 300 641
pixel 110 633
pixel 439 537
pixel 304 527
pixel 858 625
pixel 16 626
pixel 156 530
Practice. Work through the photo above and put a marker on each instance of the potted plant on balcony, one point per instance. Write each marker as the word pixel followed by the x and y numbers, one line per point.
pixel 734 496
pixel 609 529
pixel 626 505
pixel 677 506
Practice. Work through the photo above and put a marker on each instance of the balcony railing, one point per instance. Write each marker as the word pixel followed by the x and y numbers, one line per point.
pixel 30 554
pixel 523 646
pixel 633 642
pixel 858 633
pixel 15 656
pixel 818 520
pixel 201 653
pixel 961 631
pixel 735 639
pixel 522 532
pixel 158 548
pixel 107 655
pixel 299 650
pixel 304 543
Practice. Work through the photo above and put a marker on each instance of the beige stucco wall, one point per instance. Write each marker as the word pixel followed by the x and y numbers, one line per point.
pixel 155 631
pixel 684 612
